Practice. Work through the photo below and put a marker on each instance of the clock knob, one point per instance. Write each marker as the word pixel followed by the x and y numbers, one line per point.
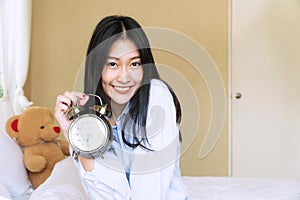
pixel 75 110
pixel 102 110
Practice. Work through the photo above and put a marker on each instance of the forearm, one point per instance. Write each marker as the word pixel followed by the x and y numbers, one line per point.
pixel 87 163
pixel 103 181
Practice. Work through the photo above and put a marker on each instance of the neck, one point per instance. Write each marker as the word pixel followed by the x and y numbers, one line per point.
pixel 116 110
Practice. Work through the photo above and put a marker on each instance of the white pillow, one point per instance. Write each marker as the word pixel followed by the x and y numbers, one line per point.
pixel 13 174
pixel 4 193
pixel 63 184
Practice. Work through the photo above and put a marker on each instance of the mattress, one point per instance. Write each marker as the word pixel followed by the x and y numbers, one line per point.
pixel 237 188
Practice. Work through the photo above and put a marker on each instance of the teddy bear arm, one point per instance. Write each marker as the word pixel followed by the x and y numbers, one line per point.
pixel 64 147
pixel 34 163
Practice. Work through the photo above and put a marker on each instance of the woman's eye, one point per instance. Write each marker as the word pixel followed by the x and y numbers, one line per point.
pixel 135 64
pixel 111 64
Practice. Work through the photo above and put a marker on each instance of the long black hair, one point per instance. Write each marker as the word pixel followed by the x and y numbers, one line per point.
pixel 107 31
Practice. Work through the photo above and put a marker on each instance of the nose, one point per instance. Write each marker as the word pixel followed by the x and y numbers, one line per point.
pixel 123 75
pixel 56 129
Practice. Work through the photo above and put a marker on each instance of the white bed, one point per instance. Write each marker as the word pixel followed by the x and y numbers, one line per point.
pixel 200 188
pixel 231 188
pixel 64 183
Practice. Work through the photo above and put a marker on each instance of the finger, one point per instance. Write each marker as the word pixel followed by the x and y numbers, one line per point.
pixel 83 100
pixel 75 97
pixel 63 103
pixel 65 98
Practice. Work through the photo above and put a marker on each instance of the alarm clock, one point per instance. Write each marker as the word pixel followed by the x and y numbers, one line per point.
pixel 90 134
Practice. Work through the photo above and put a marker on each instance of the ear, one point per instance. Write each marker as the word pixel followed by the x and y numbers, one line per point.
pixel 12 126
pixel 51 115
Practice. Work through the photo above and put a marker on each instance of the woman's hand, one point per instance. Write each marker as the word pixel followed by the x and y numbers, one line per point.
pixel 64 103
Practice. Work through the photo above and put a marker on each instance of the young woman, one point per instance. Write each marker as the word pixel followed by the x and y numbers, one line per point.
pixel 143 160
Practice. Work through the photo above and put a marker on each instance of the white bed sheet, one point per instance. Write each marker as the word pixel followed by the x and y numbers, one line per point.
pixel 199 188
pixel 233 188
pixel 236 188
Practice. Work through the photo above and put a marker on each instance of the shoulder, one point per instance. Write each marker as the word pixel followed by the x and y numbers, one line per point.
pixel 161 125
pixel 158 83
pixel 158 88
pixel 161 99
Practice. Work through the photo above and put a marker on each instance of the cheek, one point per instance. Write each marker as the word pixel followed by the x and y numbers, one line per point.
pixel 137 75
pixel 107 76
pixel 106 79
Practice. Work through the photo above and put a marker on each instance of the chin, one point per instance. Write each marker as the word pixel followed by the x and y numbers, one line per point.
pixel 120 101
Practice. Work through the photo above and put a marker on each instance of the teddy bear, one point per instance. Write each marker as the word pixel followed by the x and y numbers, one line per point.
pixel 36 134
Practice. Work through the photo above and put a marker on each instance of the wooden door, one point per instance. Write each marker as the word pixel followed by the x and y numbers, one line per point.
pixel 265 103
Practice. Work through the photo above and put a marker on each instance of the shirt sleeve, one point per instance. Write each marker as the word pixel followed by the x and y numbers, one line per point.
pixel 106 181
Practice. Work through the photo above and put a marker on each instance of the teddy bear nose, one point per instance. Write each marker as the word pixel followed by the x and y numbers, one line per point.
pixel 56 129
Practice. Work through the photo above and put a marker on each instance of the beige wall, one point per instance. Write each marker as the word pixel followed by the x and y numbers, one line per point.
pixel 60 33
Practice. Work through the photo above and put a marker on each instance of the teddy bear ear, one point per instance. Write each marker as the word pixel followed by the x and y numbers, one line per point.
pixel 12 126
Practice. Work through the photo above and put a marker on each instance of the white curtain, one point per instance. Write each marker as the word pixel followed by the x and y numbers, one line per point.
pixel 15 25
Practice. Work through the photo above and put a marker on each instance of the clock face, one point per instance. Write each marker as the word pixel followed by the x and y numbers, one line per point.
pixel 88 133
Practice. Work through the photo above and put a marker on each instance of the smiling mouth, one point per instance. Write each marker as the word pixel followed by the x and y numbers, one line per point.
pixel 122 89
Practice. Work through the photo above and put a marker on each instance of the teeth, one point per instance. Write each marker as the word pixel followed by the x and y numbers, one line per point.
pixel 121 88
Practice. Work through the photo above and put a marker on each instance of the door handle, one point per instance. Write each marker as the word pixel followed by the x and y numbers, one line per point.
pixel 238 95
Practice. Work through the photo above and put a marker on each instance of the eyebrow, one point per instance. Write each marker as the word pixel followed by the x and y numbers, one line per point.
pixel 116 58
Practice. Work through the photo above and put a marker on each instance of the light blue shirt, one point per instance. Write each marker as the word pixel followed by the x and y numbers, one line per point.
pixel 151 175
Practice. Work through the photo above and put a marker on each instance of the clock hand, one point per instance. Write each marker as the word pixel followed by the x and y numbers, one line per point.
pixel 88 138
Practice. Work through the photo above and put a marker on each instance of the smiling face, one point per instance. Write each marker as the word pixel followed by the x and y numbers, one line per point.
pixel 123 73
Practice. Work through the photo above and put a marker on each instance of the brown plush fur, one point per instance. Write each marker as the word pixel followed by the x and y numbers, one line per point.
pixel 35 133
